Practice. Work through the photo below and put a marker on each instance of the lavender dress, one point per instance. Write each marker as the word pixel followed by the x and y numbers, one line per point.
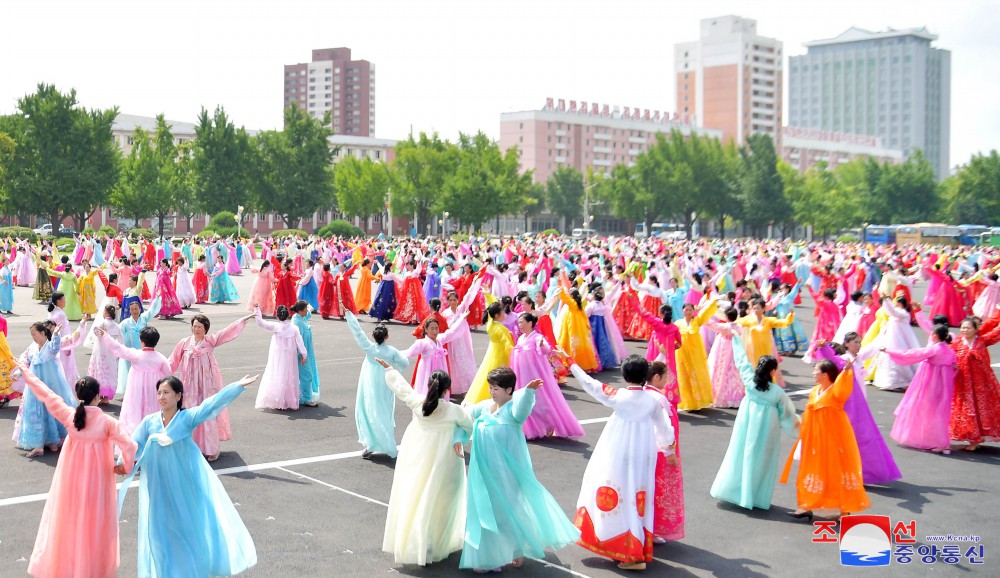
pixel 530 360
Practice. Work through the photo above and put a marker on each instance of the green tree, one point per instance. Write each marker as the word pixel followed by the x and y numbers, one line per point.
pixel 296 166
pixel 362 186
pixel 420 170
pixel 140 175
pixel 534 203
pixel 486 183
pixel 909 190
pixel 165 195
pixel 564 194
pixel 973 195
pixel 225 164
pixel 761 188
pixel 65 162
pixel 187 203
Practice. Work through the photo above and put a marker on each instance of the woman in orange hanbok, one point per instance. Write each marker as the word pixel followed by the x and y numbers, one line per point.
pixel 574 335
pixel 363 292
pixel 830 481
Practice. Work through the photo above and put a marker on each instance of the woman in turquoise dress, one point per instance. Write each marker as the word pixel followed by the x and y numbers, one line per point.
pixel 792 339
pixel 375 409
pixel 308 372
pixel 510 514
pixel 6 287
pixel 750 468
pixel 188 526
pixel 221 288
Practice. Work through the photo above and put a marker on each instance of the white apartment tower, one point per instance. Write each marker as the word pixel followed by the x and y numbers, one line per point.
pixel 730 79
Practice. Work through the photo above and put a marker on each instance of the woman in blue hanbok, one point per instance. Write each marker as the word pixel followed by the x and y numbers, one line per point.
pixel 37 428
pixel 791 339
pixel 384 302
pixel 221 288
pixel 6 287
pixel 130 328
pixel 375 409
pixel 188 526
pixel 308 372
pixel 308 289
pixel 750 468
pixel 510 514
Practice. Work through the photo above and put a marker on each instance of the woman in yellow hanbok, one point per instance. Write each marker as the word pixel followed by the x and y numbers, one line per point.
pixel 574 335
pixel 881 320
pixel 497 354
pixel 87 290
pixel 692 362
pixel 758 337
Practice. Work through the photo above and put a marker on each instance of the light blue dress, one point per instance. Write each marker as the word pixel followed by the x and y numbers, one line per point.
pixel 746 477
pixel 6 289
pixel 792 338
pixel 188 526
pixel 510 514
pixel 308 373
pixel 221 288
pixel 38 427
pixel 375 408
pixel 130 337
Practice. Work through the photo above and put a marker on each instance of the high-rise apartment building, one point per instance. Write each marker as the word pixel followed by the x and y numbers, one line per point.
pixel 335 83
pixel 730 79
pixel 890 84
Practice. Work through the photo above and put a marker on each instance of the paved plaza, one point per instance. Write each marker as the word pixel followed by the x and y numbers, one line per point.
pixel 315 508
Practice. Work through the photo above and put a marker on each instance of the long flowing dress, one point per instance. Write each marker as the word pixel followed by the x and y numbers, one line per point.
pixel 262 292
pixel 188 526
pixel 551 415
pixel 748 472
pixel 201 283
pixel 384 304
pixel 830 479
pixel 758 335
pixel 607 338
pixel 194 363
pixel 68 286
pixel 791 339
pixel 7 370
pixel 130 328
pixel 411 306
pixel 896 335
pixel 88 293
pixel 103 365
pixel 279 386
pixel 38 427
pixel 975 408
pixel 510 514
pixel 574 335
pixel 692 362
pixel 614 511
pixel 148 367
pixel 426 518
pixel 186 296
pixel 308 372
pixel 284 290
pixel 169 305
pixel 363 290
pixel 727 384
pixel 497 355
pixel 309 291
pixel 877 463
pixel 79 537
pixel 6 289
pixel 461 359
pixel 922 415
pixel 375 407
pixel 222 289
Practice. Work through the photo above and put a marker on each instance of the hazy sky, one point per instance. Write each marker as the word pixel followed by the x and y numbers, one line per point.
pixel 445 66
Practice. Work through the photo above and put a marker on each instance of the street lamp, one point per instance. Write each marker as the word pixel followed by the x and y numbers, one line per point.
pixel 441 224
pixel 587 217
pixel 446 215
pixel 239 220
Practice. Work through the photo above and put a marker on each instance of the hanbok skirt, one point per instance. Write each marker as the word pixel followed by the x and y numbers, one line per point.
pixel 384 304
pixel 222 289
pixel 310 294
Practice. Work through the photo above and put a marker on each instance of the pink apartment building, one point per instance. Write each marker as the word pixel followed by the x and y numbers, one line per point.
pixel 334 83
pixel 586 135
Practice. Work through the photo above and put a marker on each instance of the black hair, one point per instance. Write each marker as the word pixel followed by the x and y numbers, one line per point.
pixel 762 375
pixel 655 368
pixel 530 318
pixel 110 310
pixel 850 336
pixel 506 301
pixel 326 266
pixel 830 293
pixel 435 304
pixel 55 299
pixel 941 331
pixel 634 369
pixel 266 263
pixel 281 313
pixel 437 386
pixel 757 300
pixel 732 314
pixel 504 377
pixel 380 333
pixel 42 328
pixel 87 389
pixel 203 320
pixel 299 306
pixel 940 319
pixel 149 336
pixel 495 309
pixel 113 278
pixel 575 294
pixel 176 385
pixel 857 295
pixel 667 312
pixel 827 367
pixel 901 300
pixel 430 320
pixel 64 259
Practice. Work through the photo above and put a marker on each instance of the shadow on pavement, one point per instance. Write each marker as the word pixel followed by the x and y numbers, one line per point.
pixel 913 497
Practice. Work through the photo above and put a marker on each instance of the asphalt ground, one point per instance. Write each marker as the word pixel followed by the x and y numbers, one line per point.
pixel 315 508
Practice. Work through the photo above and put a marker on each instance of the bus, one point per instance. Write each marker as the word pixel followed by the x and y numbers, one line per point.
pixel 881 234
pixel 991 238
pixel 929 233
pixel 664 230
pixel 971 234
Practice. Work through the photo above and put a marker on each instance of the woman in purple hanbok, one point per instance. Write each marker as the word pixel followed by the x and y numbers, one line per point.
pixel 922 416
pixel 529 359
pixel 877 463
pixel 232 261
pixel 279 386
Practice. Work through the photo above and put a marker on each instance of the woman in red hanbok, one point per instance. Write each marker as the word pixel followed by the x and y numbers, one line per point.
pixel 626 314
pixel 668 496
pixel 947 299
pixel 478 306
pixel 411 305
pixel 326 292
pixel 975 409
pixel 285 294
pixel 201 281
pixel 343 298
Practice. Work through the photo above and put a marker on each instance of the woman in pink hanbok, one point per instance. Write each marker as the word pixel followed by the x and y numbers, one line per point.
pixel 827 320
pixel 103 364
pixel 232 261
pixel 922 415
pixel 169 305
pixel 551 416
pixel 727 385
pixel 193 362
pixel 279 385
pixel 148 367
pixel 988 300
pixel 947 300
pixel 78 533
pixel 262 292
pixel 461 358
pixel 665 335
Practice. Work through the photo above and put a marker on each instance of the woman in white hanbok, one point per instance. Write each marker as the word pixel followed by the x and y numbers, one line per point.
pixel 896 335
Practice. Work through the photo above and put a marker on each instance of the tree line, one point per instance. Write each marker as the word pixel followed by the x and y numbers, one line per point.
pixel 60 160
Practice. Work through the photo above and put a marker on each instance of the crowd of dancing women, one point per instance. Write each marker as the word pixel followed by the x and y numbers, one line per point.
pixel 718 318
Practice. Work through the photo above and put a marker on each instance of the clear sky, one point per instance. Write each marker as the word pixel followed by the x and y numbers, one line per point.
pixel 444 66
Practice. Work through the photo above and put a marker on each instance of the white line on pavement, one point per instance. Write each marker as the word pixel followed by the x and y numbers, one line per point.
pixel 333 487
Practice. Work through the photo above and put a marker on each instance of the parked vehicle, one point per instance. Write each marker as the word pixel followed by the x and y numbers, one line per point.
pixel 45 229
pixel 579 233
